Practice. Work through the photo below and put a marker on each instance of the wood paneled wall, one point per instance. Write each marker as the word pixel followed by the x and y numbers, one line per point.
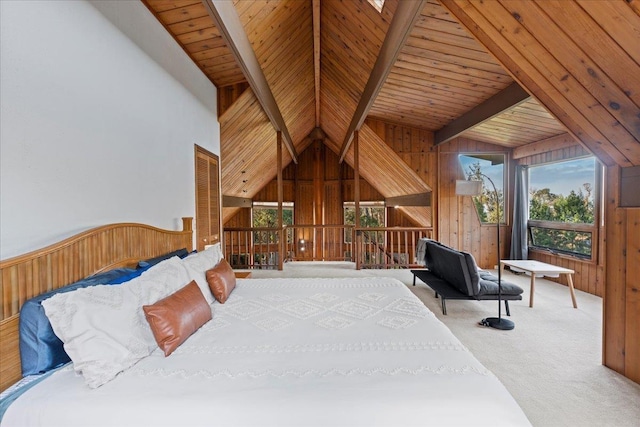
pixel 415 147
pixel 589 275
pixel 299 187
pixel 614 275
pixel 621 334
pixel 227 95
pixel 458 222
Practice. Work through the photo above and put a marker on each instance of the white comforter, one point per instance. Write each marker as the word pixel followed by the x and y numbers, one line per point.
pixel 292 352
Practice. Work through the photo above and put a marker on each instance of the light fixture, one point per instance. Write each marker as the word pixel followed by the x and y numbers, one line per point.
pixel 302 245
pixel 474 188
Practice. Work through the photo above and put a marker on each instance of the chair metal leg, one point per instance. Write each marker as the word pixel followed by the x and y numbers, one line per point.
pixel 444 306
pixel 506 306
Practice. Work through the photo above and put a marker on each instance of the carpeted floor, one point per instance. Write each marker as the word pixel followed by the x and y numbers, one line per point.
pixel 550 362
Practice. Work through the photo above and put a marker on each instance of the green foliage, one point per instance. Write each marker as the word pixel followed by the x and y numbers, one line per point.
pixel 486 203
pixel 370 216
pixel 266 217
pixel 269 217
pixel 575 208
pixel 569 241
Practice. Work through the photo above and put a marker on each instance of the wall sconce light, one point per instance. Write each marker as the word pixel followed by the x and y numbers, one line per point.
pixel 302 245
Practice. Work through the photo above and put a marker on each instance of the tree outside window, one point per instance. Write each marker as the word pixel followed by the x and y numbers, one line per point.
pixel 562 211
pixel 478 167
pixel 372 215
pixel 265 215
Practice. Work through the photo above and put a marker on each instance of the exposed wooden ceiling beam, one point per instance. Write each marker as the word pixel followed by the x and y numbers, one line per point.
pixel 228 22
pixel 554 143
pixel 316 55
pixel 420 199
pixel 510 97
pixel 404 18
pixel 236 202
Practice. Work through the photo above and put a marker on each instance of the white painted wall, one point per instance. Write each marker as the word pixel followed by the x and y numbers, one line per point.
pixel 100 109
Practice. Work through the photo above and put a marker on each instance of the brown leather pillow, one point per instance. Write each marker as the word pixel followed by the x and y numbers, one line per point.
pixel 173 319
pixel 222 280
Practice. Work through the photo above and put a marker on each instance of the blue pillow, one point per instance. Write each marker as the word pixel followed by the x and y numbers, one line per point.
pixel 40 349
pixel 153 261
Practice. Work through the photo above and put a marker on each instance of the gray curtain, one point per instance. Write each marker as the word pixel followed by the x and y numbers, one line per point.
pixel 519 244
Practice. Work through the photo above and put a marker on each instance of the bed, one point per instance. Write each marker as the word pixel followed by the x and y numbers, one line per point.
pixel 285 352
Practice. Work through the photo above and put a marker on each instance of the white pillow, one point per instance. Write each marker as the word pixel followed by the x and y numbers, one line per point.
pixel 103 327
pixel 214 253
pixel 197 265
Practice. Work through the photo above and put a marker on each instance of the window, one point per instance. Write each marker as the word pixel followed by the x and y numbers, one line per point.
pixel 265 215
pixel 377 4
pixel 562 206
pixel 488 168
pixel 372 214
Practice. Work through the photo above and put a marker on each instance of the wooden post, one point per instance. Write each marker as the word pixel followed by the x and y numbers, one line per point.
pixel 318 198
pixel 281 234
pixel 356 194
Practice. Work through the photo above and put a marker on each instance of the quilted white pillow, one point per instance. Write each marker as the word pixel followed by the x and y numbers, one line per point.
pixel 197 264
pixel 103 327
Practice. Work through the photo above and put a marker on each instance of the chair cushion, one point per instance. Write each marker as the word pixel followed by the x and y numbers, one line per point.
pixel 474 275
pixel 489 286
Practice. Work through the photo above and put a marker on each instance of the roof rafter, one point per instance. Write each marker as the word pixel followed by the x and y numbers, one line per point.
pixel 228 22
pixel 510 97
pixel 316 55
pixel 404 18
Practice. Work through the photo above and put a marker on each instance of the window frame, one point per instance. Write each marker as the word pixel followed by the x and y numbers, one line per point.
pixel 272 206
pixel 365 204
pixel 504 208
pixel 594 229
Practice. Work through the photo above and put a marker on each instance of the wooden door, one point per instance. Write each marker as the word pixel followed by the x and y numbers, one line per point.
pixel 207 198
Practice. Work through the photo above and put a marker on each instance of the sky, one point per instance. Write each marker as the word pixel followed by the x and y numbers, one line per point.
pixel 495 172
pixel 560 177
pixel 563 177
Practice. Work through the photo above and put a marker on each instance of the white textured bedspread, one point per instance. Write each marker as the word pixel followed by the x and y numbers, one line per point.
pixel 292 352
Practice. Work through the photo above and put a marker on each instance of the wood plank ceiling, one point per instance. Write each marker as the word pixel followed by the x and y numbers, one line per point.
pixel 578 58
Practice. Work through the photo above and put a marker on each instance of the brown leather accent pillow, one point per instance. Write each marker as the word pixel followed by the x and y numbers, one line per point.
pixel 173 319
pixel 222 280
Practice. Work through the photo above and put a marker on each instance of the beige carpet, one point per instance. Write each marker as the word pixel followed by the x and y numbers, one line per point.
pixel 550 362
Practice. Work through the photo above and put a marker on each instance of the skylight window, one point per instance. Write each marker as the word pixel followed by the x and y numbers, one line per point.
pixel 378 4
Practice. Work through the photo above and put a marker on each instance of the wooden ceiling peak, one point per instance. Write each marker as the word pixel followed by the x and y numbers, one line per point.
pixel 227 20
pixel 316 56
pixel 403 21
pixel 317 134
pixel 326 65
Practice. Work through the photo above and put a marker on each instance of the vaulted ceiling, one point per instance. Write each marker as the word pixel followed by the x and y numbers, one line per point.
pixel 508 72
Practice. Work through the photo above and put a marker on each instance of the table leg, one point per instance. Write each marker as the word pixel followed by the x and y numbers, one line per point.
pixel 533 287
pixel 573 294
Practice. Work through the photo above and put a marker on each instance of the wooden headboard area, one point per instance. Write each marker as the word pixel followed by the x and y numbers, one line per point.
pixel 99 249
